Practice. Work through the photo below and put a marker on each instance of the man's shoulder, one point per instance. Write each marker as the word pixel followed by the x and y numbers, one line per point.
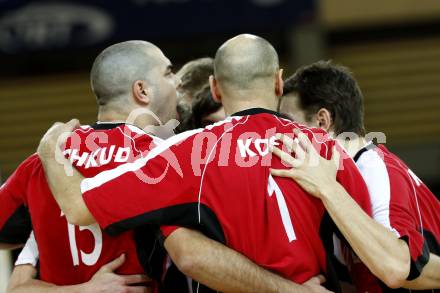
pixel 30 164
pixel 374 158
pixel 24 173
pixel 369 159
pixel 395 166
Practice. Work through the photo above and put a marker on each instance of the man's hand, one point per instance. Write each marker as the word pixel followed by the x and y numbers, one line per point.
pixel 105 280
pixel 64 180
pixel 385 255
pixel 55 137
pixel 311 171
pixel 20 277
pixel 315 285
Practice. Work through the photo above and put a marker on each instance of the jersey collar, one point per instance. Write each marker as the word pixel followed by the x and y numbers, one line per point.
pixel 105 125
pixel 102 125
pixel 255 111
pixel 370 145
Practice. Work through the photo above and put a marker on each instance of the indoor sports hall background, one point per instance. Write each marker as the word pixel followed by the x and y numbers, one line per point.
pixel 393 48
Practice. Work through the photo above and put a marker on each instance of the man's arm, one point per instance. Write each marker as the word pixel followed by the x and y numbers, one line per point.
pixel 430 277
pixel 7 246
pixel 384 254
pixel 67 192
pixel 224 269
pixel 105 280
pixel 387 256
pixel 23 280
pixel 64 180
pixel 380 250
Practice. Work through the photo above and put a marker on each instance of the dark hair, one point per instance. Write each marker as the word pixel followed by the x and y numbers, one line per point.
pixel 202 106
pixel 333 87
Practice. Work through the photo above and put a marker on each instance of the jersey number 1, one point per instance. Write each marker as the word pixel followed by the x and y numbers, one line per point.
pixel 273 188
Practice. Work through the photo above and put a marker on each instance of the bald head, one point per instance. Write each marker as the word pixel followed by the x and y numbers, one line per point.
pixel 245 62
pixel 119 66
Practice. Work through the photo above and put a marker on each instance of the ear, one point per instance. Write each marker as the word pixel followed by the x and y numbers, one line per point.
pixel 279 83
pixel 324 118
pixel 140 92
pixel 215 92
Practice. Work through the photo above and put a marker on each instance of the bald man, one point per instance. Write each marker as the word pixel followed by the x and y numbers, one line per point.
pixel 222 186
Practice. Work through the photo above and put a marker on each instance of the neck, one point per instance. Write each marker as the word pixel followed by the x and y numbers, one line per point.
pixel 241 103
pixel 352 146
pixel 141 121
pixel 111 116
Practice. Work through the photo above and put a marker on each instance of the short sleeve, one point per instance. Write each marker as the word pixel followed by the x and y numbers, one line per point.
pixel 157 189
pixel 15 224
pixel 29 254
pixel 405 218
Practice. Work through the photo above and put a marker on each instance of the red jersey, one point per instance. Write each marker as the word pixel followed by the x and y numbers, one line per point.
pixel 402 203
pixel 222 186
pixel 72 254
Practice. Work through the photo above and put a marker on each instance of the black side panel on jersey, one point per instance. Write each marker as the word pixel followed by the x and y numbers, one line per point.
pixel 151 253
pixel 326 231
pixel 17 228
pixel 175 281
pixel 417 266
pixel 184 215
pixel 430 245
pixel 434 246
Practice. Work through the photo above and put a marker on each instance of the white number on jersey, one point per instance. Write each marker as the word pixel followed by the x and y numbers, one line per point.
pixel 88 259
pixel 272 188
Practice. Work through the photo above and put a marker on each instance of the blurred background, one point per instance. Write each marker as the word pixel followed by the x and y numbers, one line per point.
pixel 393 48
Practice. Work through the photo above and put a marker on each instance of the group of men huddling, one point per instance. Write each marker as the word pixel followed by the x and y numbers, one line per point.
pixel 272 185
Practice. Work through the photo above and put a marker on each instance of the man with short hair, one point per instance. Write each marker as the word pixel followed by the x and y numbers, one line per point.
pixel 402 247
pixel 194 76
pixel 125 78
pixel 205 110
pixel 223 187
